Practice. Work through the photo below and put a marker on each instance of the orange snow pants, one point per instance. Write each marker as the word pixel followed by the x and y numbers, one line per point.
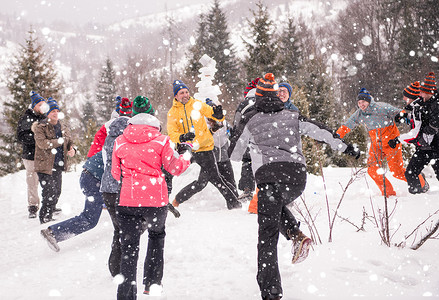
pixel 378 156
pixel 253 206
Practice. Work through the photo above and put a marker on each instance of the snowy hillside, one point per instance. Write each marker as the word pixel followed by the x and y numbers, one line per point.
pixel 210 252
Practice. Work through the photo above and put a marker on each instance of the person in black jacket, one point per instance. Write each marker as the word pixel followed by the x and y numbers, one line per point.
pixel 26 137
pixel 424 135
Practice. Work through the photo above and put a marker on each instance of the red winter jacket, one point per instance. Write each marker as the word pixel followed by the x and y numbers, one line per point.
pixel 98 141
pixel 138 155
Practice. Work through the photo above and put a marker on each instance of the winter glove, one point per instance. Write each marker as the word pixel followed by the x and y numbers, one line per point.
pixel 350 150
pixel 214 125
pixel 218 112
pixel 183 147
pixel 173 210
pixel 392 143
pixel 188 136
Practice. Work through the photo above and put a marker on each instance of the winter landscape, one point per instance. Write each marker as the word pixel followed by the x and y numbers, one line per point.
pixel 210 252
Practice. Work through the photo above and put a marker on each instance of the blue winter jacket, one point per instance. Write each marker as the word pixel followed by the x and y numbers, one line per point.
pixel 95 165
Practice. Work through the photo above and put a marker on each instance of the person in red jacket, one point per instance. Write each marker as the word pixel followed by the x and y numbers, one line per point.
pixel 100 136
pixel 138 155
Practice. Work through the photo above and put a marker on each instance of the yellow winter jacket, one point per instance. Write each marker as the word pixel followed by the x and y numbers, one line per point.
pixel 182 117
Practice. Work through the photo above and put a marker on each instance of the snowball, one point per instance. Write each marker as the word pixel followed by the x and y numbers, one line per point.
pixel 352 70
pixel 359 56
pixel 195 114
pixel 45 31
pixel 118 279
pixel 68 90
pixel 312 289
pixel 192 40
pixel 366 40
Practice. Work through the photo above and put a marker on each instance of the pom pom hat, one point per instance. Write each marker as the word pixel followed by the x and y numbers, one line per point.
pixel 125 107
pixel 251 85
pixel 267 86
pixel 142 105
pixel 429 84
pixel 412 91
pixel 36 98
pixel 52 105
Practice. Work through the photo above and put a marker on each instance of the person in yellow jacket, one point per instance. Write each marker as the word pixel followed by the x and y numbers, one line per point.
pixel 186 123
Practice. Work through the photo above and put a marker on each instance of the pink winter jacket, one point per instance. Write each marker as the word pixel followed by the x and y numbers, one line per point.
pixel 138 155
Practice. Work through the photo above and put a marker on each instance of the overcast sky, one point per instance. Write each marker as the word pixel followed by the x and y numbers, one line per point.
pixel 82 11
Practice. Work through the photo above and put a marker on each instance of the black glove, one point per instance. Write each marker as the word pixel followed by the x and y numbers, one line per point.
pixel 188 136
pixel 183 147
pixel 350 150
pixel 173 210
pixel 218 112
pixel 393 143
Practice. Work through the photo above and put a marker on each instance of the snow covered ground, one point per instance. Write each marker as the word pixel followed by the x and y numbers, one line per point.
pixel 210 252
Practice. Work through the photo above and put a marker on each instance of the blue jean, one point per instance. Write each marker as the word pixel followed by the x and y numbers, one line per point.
pixel 89 217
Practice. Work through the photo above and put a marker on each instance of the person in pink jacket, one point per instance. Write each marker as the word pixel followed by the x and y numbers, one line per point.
pixel 138 155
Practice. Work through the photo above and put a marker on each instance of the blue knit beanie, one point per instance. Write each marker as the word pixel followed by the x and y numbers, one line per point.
pixel 364 95
pixel 52 105
pixel 288 87
pixel 118 100
pixel 178 85
pixel 36 98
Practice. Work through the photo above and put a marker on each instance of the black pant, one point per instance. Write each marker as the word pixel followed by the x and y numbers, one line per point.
pixel 247 180
pixel 111 201
pixel 417 163
pixel 274 217
pixel 51 186
pixel 226 171
pixel 208 173
pixel 131 221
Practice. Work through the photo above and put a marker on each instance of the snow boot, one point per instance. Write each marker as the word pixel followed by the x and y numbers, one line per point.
pixel 32 211
pixel 173 210
pixel 50 238
pixel 301 244
pixel 246 196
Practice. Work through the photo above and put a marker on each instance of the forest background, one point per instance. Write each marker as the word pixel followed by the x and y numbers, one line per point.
pixel 327 50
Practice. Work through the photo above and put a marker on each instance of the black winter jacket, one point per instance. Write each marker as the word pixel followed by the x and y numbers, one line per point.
pixel 25 135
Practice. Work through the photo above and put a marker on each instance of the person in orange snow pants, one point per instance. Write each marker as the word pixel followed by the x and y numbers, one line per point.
pixel 378 118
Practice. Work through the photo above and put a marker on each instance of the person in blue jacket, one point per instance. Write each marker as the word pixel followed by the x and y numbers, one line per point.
pixel 90 182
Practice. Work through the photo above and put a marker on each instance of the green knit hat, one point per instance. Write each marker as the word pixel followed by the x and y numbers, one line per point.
pixel 141 104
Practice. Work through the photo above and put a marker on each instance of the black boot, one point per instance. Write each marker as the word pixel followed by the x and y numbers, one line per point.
pixel 32 211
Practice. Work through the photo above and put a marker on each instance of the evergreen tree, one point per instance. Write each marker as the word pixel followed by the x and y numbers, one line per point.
pixel 198 49
pixel 31 70
pixel 106 91
pixel 213 39
pixel 261 49
pixel 289 56
pixel 312 151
